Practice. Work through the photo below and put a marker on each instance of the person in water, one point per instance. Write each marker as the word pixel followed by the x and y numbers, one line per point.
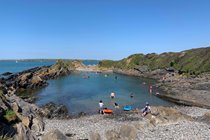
pixel 101 107
pixel 131 95
pixel 112 96
pixel 150 88
pixel 146 110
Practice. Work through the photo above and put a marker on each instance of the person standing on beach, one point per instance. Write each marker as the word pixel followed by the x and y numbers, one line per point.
pixel 101 106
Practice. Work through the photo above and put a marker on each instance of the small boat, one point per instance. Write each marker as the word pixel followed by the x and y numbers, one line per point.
pixel 127 108
pixel 108 111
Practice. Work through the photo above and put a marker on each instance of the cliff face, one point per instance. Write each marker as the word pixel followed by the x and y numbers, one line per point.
pixel 194 61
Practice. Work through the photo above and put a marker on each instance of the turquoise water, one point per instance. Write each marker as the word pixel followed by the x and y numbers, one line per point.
pixel 90 62
pixel 83 95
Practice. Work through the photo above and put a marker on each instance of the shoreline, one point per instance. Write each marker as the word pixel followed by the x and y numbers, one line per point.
pixel 163 118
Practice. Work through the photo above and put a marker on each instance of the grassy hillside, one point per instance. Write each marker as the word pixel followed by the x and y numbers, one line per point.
pixel 193 61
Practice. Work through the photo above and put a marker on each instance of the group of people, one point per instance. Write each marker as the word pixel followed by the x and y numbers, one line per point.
pixel 145 110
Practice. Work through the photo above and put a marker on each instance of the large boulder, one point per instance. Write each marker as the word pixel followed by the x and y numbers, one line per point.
pixel 25 121
pixel 16 108
pixel 24 133
pixel 37 125
pixel 36 81
pixel 128 132
pixel 205 118
pixel 94 136
pixel 162 115
pixel 54 135
pixel 112 135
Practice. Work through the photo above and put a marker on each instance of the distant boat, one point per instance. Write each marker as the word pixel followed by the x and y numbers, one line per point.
pixel 16 61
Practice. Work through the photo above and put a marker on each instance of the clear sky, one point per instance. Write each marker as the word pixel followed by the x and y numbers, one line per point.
pixel 101 29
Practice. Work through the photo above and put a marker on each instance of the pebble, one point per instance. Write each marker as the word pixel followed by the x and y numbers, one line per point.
pixel 185 130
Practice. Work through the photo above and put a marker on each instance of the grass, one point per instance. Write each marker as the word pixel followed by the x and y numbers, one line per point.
pixel 194 61
pixel 9 116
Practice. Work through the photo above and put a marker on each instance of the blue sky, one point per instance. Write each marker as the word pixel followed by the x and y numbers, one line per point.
pixel 101 29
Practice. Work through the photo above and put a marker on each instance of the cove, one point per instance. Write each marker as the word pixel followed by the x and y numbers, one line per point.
pixel 81 94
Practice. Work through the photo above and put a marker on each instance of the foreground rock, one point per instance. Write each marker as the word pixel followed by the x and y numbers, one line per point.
pixel 54 135
pixel 19 119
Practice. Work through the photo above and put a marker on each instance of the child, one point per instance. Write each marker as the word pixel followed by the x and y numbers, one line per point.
pixel 101 105
pixel 146 110
pixel 116 105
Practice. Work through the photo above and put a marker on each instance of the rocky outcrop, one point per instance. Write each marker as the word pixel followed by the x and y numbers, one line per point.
pixel 51 110
pixel 164 115
pixel 36 77
pixel 19 119
pixel 24 133
pixel 186 90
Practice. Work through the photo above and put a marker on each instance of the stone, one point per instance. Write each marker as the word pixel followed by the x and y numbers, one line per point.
pixel 112 135
pixel 94 136
pixel 23 133
pixel 6 73
pixel 142 68
pixel 128 132
pixel 37 125
pixel 36 80
pixel 205 118
pixel 16 107
pixel 54 135
pixel 25 121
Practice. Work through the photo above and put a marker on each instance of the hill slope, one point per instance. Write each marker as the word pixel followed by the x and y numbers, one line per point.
pixel 192 61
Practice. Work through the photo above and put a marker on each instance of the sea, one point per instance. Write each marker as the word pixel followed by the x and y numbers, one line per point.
pixel 82 91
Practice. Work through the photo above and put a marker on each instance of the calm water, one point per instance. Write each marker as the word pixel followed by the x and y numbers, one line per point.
pixel 90 62
pixel 18 66
pixel 13 66
pixel 83 95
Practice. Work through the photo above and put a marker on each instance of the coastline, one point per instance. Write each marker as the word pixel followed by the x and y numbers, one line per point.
pixel 90 126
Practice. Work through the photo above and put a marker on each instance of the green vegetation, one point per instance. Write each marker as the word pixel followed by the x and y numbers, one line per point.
pixel 65 64
pixel 9 116
pixel 193 61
